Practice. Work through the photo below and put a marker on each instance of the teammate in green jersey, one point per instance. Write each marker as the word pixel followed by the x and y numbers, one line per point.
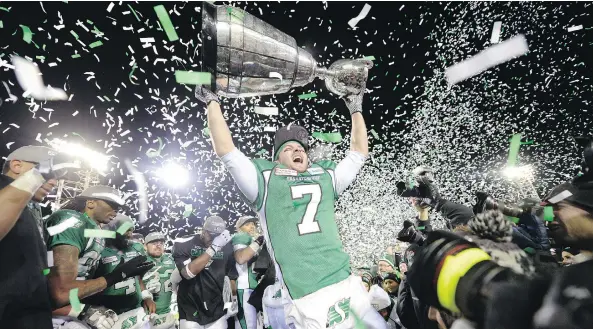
pixel 76 255
pixel 246 246
pixel 158 281
pixel 128 298
pixel 295 202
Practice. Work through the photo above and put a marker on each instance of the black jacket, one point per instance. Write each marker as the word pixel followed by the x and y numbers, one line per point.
pixel 200 299
pixel 412 313
pixel 23 285
pixel 457 214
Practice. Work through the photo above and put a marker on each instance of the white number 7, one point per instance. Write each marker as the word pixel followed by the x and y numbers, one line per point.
pixel 308 223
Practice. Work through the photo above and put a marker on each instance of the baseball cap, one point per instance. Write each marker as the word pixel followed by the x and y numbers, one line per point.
pixel 154 236
pixel 32 153
pixel 101 192
pixel 214 224
pixel 290 133
pixel 244 220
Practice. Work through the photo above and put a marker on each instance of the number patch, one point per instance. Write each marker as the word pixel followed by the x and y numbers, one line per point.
pixel 308 224
pixel 129 284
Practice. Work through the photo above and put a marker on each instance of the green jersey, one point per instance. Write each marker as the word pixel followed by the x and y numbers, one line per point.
pixel 125 295
pixel 72 234
pixel 298 216
pixel 247 278
pixel 165 265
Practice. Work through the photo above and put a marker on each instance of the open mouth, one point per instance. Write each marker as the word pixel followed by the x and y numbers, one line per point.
pixel 297 159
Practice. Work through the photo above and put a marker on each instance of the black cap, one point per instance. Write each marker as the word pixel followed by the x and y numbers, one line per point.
pixel 290 133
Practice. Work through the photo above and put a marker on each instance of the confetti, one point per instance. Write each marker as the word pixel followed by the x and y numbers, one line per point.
pixel 46 271
pixel 263 110
pixel 141 187
pixel 50 258
pixel 166 23
pixel 374 133
pixel 363 13
pixel 27 34
pixel 495 38
pixel 74 302
pixel 370 58
pixel 110 7
pixel 514 150
pixel 328 137
pixel 575 28
pixel 193 78
pixel 30 80
pixel 63 226
pixel 308 96
pixel 492 56
pixel 549 213
pixel 88 233
pixel 96 44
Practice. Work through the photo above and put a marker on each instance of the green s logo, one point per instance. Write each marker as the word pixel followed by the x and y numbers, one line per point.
pixel 338 313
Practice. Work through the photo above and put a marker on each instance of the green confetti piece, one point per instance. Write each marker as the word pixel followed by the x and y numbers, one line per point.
pixel 74 302
pixel 165 20
pixel 529 250
pixel 206 132
pixel 328 137
pixel 1 24
pixel 527 143
pixel 548 213
pixel 513 219
pixel 371 58
pixel 151 153
pixel 99 234
pixel 96 44
pixel 195 313
pixel 5 9
pixel 76 134
pixel 421 227
pixel 308 96
pixel 188 210
pixel 132 73
pixel 74 34
pixel 76 56
pixel 134 12
pixel 27 34
pixel 124 228
pixel 374 133
pixel 41 58
pixel 514 150
pixel 89 21
pixel 193 78
pixel 46 271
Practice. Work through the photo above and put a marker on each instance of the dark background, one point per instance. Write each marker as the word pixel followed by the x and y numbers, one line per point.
pixel 462 130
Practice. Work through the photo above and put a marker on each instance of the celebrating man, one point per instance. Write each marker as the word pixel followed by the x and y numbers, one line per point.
pixel 295 202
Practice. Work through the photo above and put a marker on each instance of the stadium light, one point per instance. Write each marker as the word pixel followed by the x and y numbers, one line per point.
pixel 514 172
pixel 96 160
pixel 173 174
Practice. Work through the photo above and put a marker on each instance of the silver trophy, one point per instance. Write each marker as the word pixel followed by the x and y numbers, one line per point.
pixel 248 57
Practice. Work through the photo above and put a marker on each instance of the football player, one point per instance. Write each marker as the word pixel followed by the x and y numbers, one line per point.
pixel 159 282
pixel 295 202
pixel 125 297
pixel 76 255
pixel 246 244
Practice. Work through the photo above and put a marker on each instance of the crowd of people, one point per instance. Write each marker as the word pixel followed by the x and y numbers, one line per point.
pixel 498 265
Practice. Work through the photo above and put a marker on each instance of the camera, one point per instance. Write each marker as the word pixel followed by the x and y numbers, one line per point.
pixel 486 202
pixel 453 273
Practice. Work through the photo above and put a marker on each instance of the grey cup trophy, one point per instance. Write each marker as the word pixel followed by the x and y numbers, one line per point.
pixel 248 57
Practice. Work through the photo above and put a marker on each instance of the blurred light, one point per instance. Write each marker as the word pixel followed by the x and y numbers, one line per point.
pixel 96 160
pixel 513 173
pixel 173 174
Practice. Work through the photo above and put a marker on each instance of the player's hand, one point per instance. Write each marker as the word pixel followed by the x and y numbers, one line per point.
pixel 98 317
pixel 154 286
pixel 149 305
pixel 205 95
pixel 259 240
pixel 221 240
pixel 136 266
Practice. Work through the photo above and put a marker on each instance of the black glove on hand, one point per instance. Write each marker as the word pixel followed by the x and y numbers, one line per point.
pixel 134 267
pixel 260 240
pixel 409 234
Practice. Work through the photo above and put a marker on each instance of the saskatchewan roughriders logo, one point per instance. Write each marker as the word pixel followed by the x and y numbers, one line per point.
pixel 338 313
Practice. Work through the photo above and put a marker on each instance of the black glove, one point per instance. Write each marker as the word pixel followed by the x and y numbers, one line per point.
pixel 260 240
pixel 409 234
pixel 134 267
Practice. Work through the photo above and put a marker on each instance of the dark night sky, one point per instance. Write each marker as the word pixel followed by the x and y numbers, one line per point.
pixel 461 129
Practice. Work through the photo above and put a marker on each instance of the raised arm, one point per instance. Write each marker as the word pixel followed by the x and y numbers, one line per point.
pixel 219 131
pixel 360 141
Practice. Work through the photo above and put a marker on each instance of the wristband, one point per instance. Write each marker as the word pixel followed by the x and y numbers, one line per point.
pixel 29 182
pixel 146 295
pixel 255 246
pixel 76 314
pixel 211 251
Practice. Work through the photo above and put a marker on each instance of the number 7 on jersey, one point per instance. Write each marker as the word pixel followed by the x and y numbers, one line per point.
pixel 308 223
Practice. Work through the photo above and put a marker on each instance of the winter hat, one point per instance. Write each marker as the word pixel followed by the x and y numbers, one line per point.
pixel 395 276
pixel 379 298
pixel 491 225
pixel 290 133
pixel 367 277
pixel 389 259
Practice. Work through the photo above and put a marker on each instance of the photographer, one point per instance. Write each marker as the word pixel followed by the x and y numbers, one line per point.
pixel 28 176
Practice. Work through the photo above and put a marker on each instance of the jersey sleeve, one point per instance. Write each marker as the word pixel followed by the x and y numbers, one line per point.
pixel 241 241
pixel 181 255
pixel 346 171
pixel 72 235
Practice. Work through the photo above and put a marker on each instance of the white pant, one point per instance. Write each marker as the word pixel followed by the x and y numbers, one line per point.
pixel 218 324
pixel 274 302
pixel 163 321
pixel 249 312
pixel 134 319
pixel 340 305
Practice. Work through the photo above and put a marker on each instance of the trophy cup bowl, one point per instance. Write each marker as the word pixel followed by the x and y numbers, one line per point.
pixel 248 57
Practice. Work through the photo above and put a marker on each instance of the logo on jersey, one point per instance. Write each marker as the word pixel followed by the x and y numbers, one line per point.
pixel 315 171
pixel 285 172
pixel 338 313
pixel 110 259
pixel 129 322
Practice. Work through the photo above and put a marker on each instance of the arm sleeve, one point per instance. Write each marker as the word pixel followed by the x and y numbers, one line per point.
pixel 458 214
pixel 347 170
pixel 244 173
pixel 240 241
pixel 180 256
